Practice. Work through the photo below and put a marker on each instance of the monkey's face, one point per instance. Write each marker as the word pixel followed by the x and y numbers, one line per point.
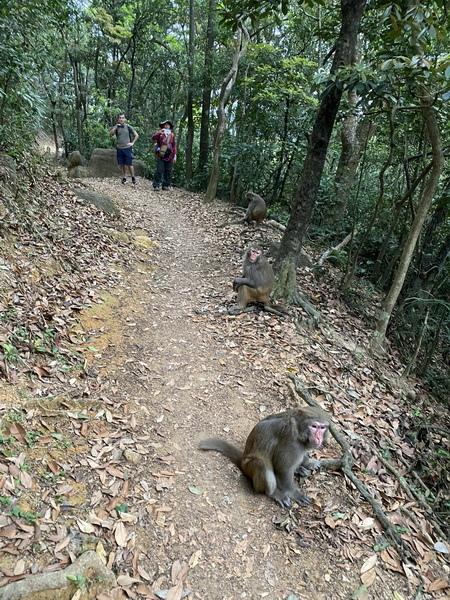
pixel 254 254
pixel 317 432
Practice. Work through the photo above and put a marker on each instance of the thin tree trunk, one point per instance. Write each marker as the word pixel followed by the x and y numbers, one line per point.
pixel 242 39
pixel 434 344
pixel 207 84
pixel 190 97
pixel 389 302
pixel 398 209
pixel 306 196
pixel 354 136
pixel 241 112
pixel 354 258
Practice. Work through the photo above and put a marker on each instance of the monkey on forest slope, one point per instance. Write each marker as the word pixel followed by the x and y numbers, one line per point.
pixel 256 282
pixel 256 210
pixel 255 213
pixel 276 448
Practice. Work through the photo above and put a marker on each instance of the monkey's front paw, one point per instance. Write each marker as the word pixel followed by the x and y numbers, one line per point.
pixel 282 499
pixel 301 498
pixel 302 472
pixel 314 464
pixel 236 286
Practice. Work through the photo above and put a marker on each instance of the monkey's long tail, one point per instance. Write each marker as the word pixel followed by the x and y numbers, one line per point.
pixel 225 448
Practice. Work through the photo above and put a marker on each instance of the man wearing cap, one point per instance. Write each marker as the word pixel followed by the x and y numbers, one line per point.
pixel 166 155
pixel 124 143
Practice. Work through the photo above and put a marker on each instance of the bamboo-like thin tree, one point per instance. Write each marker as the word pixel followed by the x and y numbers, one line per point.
pixel 190 95
pixel 207 85
pixel 432 127
pixel 242 39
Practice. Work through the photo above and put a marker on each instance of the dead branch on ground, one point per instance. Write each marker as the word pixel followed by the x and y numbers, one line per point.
pixel 341 245
pixel 345 464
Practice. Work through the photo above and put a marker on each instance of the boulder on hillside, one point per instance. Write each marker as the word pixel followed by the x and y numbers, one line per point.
pixel 74 160
pixel 79 172
pixel 58 586
pixel 103 163
pixel 101 201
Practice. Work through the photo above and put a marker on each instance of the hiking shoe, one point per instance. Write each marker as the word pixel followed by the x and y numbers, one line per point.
pixel 124 180
pixel 156 189
pixel 166 189
pixel 133 180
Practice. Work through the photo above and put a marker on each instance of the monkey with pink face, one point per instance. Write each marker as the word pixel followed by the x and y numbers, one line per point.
pixel 276 449
pixel 257 279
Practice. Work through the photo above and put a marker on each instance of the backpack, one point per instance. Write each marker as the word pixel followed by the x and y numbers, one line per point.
pixel 164 151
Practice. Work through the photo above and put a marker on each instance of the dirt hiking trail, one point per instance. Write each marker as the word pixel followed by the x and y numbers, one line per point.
pixel 114 464
pixel 216 375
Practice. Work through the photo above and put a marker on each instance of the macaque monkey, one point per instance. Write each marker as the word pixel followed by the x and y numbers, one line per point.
pixel 256 282
pixel 276 448
pixel 256 210
pixel 255 213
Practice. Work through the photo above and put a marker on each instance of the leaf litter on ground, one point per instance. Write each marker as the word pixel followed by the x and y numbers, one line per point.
pixel 63 471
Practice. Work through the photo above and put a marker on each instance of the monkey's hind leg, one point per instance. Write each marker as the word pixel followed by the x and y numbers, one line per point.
pixel 243 296
pixel 264 480
pixel 286 486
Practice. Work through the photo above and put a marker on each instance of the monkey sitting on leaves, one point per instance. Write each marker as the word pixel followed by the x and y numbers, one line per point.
pixel 276 448
pixel 256 282
pixel 256 211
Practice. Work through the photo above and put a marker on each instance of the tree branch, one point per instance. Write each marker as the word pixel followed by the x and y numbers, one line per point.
pixel 346 464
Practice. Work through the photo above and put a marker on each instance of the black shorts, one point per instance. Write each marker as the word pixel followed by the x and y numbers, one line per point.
pixel 124 156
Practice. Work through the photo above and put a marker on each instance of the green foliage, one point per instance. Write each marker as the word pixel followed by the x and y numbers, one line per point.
pixel 21 43
pixel 79 580
pixel 234 11
pixel 32 437
pixel 24 514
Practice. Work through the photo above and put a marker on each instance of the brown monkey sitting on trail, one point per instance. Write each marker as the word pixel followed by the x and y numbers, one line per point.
pixel 256 282
pixel 255 213
pixel 276 448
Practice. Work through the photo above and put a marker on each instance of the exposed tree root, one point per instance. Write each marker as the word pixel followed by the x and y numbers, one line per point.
pixel 236 222
pixel 280 311
pixel 411 491
pixel 275 310
pixel 315 314
pixel 345 464
pixel 286 287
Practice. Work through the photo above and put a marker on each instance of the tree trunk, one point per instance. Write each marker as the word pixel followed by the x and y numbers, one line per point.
pixel 239 128
pixel 429 190
pixel 305 197
pixel 354 136
pixel 225 91
pixel 353 262
pixel 207 84
pixel 190 97
pixel 398 208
